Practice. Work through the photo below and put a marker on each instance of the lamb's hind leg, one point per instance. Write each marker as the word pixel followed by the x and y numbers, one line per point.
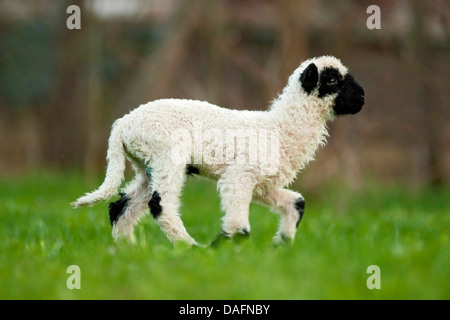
pixel 164 203
pixel 290 205
pixel 128 210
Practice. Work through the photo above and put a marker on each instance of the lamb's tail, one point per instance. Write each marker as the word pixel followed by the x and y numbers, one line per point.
pixel 114 172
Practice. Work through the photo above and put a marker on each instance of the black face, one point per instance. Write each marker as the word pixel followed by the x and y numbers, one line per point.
pixel 350 98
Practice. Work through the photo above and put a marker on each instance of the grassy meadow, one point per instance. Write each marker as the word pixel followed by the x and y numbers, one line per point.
pixel 405 232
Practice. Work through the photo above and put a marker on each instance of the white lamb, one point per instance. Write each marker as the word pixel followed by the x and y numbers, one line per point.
pixel 253 155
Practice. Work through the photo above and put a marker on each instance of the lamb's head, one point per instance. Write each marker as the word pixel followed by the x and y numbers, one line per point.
pixel 328 79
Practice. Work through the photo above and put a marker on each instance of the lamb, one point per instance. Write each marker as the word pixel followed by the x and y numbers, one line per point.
pixel 166 140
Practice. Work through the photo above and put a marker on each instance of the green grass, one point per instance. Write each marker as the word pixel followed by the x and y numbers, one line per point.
pixel 405 232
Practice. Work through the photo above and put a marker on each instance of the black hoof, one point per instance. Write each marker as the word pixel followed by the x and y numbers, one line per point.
pixel 221 237
pixel 241 234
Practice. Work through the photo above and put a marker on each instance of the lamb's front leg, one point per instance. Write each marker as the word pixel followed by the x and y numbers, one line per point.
pixel 291 206
pixel 236 190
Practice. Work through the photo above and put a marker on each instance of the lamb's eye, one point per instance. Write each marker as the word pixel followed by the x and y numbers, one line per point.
pixel 331 81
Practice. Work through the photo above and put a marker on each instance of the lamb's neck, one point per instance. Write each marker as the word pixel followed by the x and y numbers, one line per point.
pixel 302 130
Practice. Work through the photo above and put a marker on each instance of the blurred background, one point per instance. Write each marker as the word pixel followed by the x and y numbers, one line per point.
pixel 60 89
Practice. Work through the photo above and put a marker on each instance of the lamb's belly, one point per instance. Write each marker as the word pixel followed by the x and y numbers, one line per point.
pixel 211 171
pixel 264 182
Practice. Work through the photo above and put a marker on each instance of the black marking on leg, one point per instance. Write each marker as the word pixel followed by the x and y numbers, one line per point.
pixel 154 205
pixel 191 170
pixel 117 208
pixel 299 205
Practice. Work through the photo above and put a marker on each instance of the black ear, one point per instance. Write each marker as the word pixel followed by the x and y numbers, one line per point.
pixel 309 78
